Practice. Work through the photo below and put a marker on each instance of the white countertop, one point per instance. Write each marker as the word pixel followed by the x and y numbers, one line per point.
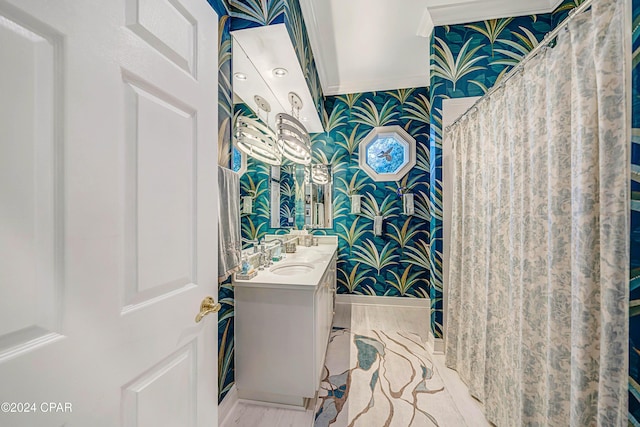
pixel 319 256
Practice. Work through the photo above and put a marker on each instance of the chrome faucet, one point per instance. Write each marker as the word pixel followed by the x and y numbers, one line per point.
pixel 277 240
pixel 268 245
pixel 252 242
pixel 268 248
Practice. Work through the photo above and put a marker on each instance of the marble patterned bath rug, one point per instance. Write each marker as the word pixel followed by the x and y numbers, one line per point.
pixel 382 379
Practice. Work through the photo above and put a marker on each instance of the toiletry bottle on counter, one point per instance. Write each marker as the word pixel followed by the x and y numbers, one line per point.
pixel 277 251
pixel 245 266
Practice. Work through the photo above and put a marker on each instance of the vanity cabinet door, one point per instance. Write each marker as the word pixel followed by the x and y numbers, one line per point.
pixel 321 303
pixel 324 306
pixel 333 272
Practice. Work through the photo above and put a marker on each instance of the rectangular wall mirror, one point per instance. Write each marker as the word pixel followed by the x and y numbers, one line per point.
pixel 313 200
pixel 282 190
pixel 318 197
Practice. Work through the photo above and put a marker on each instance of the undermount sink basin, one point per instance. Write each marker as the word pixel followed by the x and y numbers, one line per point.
pixel 292 269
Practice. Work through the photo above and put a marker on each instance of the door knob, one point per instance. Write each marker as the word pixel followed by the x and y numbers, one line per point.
pixel 208 306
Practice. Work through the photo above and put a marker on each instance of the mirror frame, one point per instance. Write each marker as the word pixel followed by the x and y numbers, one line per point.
pixel 310 212
pixel 275 198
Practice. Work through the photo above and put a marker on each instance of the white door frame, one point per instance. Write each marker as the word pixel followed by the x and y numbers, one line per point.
pixel 108 212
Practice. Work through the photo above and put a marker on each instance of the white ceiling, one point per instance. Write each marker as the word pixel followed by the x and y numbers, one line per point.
pixel 370 45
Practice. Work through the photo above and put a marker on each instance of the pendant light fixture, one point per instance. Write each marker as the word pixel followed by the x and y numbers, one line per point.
pixel 293 139
pixel 256 139
pixel 320 174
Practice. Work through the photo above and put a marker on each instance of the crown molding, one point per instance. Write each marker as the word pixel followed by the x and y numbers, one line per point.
pixel 324 58
pixel 447 14
pixel 421 80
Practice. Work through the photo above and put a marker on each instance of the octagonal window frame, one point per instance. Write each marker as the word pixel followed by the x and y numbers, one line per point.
pixel 397 133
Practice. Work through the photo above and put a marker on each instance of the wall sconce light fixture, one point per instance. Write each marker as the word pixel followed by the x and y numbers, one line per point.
pixel 408 207
pixel 247 205
pixel 356 204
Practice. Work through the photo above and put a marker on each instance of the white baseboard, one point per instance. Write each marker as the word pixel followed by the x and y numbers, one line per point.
pixel 388 301
pixel 436 345
pixel 273 399
pixel 228 403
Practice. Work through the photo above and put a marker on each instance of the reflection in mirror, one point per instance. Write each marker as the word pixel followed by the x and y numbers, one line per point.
pixel 238 160
pixel 318 203
pixel 275 194
pixel 283 196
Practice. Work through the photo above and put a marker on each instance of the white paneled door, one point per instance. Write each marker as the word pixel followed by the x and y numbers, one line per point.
pixel 108 218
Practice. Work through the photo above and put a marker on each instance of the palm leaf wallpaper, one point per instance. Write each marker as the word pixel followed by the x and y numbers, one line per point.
pixel 369 265
pixel 562 11
pixel 256 13
pixel 491 29
pixel 225 123
pixel 467 60
pixel 452 67
pixel 366 262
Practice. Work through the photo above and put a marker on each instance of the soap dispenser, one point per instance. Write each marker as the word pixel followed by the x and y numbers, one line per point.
pixel 245 266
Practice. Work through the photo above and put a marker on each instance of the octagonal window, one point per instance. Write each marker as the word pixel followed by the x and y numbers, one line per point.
pixel 387 153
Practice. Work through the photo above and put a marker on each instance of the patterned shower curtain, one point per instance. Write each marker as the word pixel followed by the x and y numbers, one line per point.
pixel 538 288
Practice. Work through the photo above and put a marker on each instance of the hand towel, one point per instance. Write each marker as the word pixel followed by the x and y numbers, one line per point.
pixel 229 239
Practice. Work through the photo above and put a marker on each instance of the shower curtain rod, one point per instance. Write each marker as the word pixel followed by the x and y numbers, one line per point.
pixel 548 38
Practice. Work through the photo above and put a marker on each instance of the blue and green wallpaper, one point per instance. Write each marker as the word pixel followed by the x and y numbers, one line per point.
pixel 406 261
pixel 225 122
pixel 562 11
pixel 287 196
pixel 634 313
pixel 236 15
pixel 397 263
pixel 255 183
pixel 225 89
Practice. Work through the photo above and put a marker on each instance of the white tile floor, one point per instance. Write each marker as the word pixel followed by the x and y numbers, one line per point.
pixel 362 318
pixel 251 415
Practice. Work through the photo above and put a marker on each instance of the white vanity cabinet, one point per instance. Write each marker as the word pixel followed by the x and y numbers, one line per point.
pixel 282 327
pixel 324 305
